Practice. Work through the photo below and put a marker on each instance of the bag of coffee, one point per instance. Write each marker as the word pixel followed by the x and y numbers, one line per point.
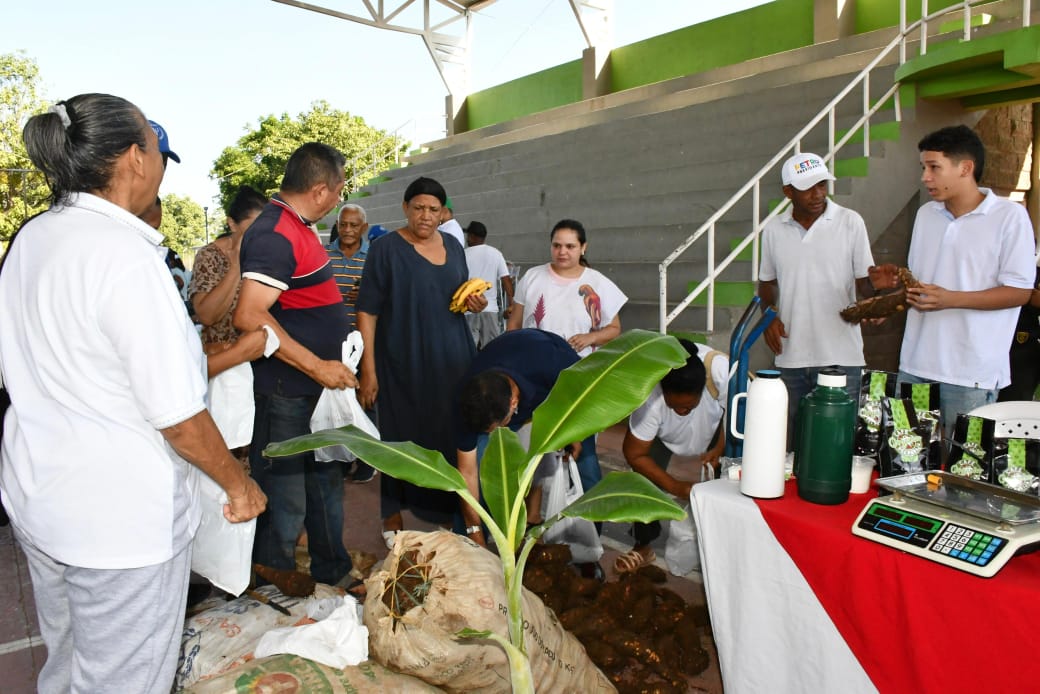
pixel 925 398
pixel 970 453
pixel 903 449
pixel 1016 464
pixel 874 387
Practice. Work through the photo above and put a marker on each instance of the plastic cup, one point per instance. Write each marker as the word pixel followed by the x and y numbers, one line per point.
pixel 862 469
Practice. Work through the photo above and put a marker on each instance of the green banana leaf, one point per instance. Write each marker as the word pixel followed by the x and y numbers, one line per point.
pixel 500 471
pixel 603 388
pixel 625 497
pixel 403 460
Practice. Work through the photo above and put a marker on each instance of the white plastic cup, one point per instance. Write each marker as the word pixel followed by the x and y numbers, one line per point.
pixel 862 469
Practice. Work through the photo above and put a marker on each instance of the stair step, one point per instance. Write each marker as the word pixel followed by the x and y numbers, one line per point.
pixel 745 254
pixel 853 166
pixel 726 293
pixel 907 96
pixel 878 131
pixel 977 20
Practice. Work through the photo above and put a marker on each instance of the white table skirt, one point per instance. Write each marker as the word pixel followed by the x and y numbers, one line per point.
pixel 771 632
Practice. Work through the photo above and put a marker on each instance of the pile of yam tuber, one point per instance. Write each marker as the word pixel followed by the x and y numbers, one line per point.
pixel 644 637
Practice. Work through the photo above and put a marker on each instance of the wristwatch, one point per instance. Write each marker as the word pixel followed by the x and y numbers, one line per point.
pixel 472 529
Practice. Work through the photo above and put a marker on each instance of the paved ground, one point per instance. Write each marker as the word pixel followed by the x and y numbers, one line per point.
pixel 22 654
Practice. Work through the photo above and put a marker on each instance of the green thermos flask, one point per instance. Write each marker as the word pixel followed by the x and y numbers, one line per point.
pixel 826 427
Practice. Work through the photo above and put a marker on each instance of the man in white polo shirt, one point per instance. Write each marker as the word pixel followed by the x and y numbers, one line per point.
pixel 973 253
pixel 815 259
pixel 682 416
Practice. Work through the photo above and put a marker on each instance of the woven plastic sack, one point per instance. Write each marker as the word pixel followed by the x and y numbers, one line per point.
pixel 291 674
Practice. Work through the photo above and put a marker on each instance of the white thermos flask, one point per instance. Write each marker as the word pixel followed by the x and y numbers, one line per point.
pixel 764 435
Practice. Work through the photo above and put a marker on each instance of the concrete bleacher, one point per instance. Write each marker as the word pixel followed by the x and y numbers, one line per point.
pixel 643 169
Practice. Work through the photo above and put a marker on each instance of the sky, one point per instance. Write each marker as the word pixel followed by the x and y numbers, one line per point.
pixel 208 70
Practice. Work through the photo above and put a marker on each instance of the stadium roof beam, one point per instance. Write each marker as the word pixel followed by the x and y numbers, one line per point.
pixel 448 40
pixel 596 18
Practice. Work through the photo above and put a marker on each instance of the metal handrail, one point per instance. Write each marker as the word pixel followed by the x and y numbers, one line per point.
pixel 356 170
pixel 793 146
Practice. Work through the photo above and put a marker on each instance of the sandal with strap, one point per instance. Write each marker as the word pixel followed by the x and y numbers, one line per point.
pixel 633 560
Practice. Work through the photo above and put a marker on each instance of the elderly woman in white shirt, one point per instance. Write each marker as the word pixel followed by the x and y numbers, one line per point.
pixel 107 379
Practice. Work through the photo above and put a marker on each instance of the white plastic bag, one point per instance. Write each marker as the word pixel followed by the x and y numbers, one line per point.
pixel 231 404
pixel 231 398
pixel 221 551
pixel 339 640
pixel 681 552
pixel 338 408
pixel 562 488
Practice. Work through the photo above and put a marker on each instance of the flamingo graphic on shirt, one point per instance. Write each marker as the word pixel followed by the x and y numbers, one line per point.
pixel 592 304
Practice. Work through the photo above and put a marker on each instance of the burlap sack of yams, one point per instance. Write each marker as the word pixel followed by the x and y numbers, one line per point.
pixel 458 585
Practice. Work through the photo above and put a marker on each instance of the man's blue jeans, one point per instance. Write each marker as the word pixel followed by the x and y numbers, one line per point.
pixel 800 382
pixel 300 493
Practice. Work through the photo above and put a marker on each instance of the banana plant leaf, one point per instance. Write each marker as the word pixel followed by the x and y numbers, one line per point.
pixel 403 460
pixel 500 470
pixel 625 497
pixel 603 388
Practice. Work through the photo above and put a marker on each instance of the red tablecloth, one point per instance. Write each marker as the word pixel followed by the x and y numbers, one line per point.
pixel 914 625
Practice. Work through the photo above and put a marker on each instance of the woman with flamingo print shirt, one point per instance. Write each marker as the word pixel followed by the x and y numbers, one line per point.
pixel 567 297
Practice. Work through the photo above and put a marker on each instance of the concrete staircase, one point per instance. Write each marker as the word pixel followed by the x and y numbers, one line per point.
pixel 643 171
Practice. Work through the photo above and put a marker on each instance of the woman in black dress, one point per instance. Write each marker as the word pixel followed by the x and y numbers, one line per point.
pixel 416 348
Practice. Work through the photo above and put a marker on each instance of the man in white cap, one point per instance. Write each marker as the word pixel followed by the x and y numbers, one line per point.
pixel 815 258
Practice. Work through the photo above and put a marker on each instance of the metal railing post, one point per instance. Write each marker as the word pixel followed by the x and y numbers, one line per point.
pixel 866 118
pixel 662 278
pixel 902 31
pixel 711 273
pixel 924 28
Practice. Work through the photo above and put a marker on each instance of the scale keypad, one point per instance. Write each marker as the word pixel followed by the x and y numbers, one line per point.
pixel 958 542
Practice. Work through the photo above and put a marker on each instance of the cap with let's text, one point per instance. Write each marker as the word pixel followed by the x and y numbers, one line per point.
pixel 804 170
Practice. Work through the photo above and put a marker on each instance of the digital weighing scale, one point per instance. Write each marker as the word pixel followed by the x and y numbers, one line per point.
pixel 969 525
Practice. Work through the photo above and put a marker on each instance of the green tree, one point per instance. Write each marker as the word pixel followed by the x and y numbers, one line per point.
pixel 23 190
pixel 183 225
pixel 258 158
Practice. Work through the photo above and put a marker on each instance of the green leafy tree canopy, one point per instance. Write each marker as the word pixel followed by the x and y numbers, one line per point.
pixel 23 190
pixel 258 158
pixel 184 225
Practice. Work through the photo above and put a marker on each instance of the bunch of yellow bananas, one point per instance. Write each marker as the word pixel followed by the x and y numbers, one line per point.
pixel 466 290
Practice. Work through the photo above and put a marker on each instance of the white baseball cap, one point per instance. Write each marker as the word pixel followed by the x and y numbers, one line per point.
pixel 804 170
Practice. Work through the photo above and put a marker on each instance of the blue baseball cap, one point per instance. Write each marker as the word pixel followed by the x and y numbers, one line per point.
pixel 164 141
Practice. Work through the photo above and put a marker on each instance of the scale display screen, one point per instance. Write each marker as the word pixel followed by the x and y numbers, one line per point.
pixel 907 526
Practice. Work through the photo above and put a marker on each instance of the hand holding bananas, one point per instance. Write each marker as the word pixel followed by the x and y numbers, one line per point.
pixel 470 296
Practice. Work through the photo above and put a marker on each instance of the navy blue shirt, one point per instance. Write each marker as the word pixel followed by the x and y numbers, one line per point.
pixel 533 359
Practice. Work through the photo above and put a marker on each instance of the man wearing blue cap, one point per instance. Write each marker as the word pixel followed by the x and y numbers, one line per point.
pixel 181 275
pixel 164 143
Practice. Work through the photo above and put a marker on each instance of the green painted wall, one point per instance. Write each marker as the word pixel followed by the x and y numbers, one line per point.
pixel 724 41
pixel 541 91
pixel 879 14
pixel 778 26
